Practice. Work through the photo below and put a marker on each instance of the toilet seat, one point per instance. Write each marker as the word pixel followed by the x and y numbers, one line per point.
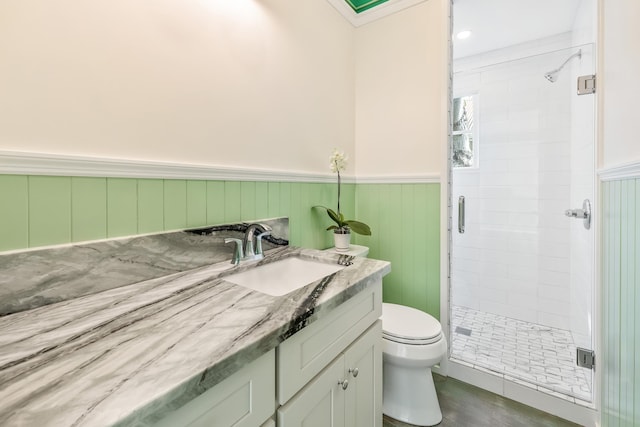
pixel 408 325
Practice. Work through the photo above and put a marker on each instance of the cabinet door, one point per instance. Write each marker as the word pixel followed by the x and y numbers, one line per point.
pixel 363 397
pixel 305 354
pixel 320 403
pixel 245 399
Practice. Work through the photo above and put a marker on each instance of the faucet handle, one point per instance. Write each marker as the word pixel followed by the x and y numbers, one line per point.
pixel 259 241
pixel 237 253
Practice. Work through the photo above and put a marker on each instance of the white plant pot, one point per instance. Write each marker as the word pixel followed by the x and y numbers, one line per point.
pixel 342 240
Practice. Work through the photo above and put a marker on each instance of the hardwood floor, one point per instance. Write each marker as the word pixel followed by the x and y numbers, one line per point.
pixel 465 405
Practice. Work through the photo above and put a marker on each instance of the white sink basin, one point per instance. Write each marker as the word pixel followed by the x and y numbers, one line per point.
pixel 281 277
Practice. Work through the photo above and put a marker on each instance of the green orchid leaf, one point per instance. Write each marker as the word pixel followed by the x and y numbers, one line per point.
pixel 332 227
pixel 334 216
pixel 358 227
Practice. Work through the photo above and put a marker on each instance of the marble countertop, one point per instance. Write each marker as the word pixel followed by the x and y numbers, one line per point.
pixel 129 355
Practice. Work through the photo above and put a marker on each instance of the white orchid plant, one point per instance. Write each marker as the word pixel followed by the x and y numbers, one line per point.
pixel 337 164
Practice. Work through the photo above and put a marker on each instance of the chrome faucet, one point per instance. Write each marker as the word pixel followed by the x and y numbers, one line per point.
pixel 248 241
pixel 238 254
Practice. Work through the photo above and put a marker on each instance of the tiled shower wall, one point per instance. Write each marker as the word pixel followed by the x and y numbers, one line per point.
pixel 621 303
pixel 513 259
pixel 405 218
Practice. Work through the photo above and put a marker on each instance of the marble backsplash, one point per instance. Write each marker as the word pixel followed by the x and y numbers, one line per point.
pixel 36 278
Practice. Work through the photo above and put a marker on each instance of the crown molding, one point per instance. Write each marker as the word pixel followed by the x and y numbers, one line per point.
pixel 26 163
pixel 623 171
pixel 373 14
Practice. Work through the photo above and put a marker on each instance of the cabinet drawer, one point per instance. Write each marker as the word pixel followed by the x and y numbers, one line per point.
pixel 306 353
pixel 246 398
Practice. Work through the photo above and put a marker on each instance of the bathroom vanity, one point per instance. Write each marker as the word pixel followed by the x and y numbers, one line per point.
pixel 184 348
pixel 330 371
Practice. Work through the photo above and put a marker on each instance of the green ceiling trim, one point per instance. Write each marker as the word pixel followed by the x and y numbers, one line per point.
pixel 362 5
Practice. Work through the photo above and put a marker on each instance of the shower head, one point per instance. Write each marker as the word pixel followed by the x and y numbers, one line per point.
pixel 552 76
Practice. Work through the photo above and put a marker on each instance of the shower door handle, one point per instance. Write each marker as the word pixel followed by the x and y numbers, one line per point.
pixel 461 214
pixel 584 214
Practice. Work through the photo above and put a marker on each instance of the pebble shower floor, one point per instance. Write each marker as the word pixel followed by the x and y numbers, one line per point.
pixel 536 356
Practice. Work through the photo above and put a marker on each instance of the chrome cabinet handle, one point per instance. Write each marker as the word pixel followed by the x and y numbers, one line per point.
pixel 354 372
pixel 344 384
pixel 461 214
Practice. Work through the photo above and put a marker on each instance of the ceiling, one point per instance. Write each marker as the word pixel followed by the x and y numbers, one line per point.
pixel 497 24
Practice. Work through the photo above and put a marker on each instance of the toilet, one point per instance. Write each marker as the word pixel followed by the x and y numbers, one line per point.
pixel 412 343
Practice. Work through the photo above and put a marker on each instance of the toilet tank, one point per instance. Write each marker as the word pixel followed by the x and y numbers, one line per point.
pixel 354 250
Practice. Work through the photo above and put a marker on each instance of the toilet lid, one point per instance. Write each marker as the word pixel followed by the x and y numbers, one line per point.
pixel 409 325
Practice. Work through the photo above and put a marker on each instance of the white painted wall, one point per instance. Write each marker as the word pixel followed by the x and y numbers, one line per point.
pixel 401 92
pixel 620 59
pixel 247 83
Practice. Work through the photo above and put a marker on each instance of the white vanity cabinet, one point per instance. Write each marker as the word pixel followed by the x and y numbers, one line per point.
pixel 327 374
pixel 346 393
pixel 330 373
pixel 245 399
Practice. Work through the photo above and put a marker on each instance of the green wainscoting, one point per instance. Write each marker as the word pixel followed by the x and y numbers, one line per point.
pixel 49 210
pixel 405 223
pixel 405 218
pixel 621 303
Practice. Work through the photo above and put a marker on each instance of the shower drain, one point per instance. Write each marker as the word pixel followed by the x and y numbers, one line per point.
pixel 463 331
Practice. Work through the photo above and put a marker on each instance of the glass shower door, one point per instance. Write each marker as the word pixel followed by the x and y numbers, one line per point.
pixel 522 271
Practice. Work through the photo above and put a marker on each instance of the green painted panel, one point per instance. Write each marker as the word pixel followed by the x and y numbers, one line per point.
pixel 310 230
pixel 295 207
pixel 215 202
pixel 49 210
pixel 405 231
pixel 262 200
pixel 627 296
pixel 614 331
pixel 368 212
pixel 14 211
pixel 150 205
pixel 394 239
pixel 606 249
pixel 175 204
pixel 621 303
pixel 273 200
pixel 232 200
pixel 432 246
pixel 88 209
pixel 247 201
pixel 361 5
pixel 122 207
pixel 196 203
pixel 285 200
pixel 423 265
pixel 636 286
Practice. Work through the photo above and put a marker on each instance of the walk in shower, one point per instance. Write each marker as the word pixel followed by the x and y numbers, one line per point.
pixel 522 155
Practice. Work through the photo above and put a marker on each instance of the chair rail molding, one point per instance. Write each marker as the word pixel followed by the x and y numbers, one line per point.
pixel 27 163
pixel 623 171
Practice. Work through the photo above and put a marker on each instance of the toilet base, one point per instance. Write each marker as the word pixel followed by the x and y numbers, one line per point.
pixel 409 395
